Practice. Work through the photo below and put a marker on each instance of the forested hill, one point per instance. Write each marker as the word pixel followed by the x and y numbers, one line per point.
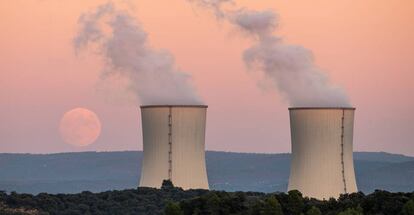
pixel 101 171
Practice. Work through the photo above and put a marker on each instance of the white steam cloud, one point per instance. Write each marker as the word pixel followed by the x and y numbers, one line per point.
pixel 152 74
pixel 290 67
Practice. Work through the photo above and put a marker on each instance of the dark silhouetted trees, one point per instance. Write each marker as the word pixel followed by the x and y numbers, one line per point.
pixel 408 208
pixel 173 209
pixel 171 200
pixel 313 211
pixel 295 203
pixel 351 211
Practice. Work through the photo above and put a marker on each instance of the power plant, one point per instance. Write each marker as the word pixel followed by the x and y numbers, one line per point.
pixel 174 140
pixel 322 145
pixel 322 162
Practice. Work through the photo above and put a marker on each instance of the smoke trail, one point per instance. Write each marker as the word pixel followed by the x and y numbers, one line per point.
pixel 151 74
pixel 290 67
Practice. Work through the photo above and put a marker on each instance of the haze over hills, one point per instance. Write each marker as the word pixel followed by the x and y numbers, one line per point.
pixel 100 171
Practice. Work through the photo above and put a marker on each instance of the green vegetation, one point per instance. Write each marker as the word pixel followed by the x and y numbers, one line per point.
pixel 313 211
pixel 173 209
pixel 351 211
pixel 408 208
pixel 170 200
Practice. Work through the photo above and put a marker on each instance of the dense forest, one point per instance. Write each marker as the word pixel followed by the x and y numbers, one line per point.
pixel 171 200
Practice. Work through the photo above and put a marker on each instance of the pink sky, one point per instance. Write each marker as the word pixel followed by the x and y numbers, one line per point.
pixel 367 47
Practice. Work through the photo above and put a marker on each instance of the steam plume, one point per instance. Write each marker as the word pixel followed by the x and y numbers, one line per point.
pixel 290 67
pixel 152 75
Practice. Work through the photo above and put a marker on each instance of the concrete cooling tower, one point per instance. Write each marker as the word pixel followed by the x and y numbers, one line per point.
pixel 322 162
pixel 173 139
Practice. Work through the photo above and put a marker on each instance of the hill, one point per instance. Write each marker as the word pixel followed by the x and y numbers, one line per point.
pixel 101 171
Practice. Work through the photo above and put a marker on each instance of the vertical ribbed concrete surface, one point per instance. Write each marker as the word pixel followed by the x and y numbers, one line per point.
pixel 322 160
pixel 174 146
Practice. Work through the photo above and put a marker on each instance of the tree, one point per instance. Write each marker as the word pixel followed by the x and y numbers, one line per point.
pixel 351 211
pixel 271 207
pixel 408 208
pixel 197 211
pixel 313 211
pixel 173 209
pixel 213 203
pixel 256 208
pixel 167 184
pixel 295 202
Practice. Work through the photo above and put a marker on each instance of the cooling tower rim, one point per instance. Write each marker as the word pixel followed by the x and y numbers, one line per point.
pixel 179 106
pixel 321 108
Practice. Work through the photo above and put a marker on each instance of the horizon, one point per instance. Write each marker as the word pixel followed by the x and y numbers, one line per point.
pixel 235 152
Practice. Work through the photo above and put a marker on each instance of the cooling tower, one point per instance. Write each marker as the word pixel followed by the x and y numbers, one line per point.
pixel 322 162
pixel 173 138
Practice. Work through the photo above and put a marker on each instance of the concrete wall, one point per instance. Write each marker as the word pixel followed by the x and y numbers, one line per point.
pixel 322 163
pixel 187 159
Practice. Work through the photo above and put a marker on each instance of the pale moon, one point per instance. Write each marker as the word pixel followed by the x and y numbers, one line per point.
pixel 80 127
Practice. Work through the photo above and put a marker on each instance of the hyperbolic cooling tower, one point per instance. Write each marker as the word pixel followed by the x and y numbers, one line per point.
pixel 173 139
pixel 322 162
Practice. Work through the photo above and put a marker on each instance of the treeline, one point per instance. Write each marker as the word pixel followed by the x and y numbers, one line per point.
pixel 132 201
pixel 293 203
pixel 174 201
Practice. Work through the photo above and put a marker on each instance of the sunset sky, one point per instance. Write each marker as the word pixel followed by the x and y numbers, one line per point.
pixel 366 47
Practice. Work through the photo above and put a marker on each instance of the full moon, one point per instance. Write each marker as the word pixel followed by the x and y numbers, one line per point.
pixel 80 127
